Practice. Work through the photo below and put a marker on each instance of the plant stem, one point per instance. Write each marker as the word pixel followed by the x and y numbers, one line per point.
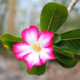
pixel 71 6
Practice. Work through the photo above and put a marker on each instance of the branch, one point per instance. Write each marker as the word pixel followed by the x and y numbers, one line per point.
pixel 71 6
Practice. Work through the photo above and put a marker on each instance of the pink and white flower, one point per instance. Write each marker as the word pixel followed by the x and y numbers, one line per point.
pixel 36 48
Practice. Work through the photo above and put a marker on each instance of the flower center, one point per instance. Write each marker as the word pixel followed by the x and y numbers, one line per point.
pixel 36 47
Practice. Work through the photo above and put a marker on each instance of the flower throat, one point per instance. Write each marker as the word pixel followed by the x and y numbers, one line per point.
pixel 36 47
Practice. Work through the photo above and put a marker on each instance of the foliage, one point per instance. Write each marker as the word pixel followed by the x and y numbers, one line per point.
pixel 53 15
pixel 66 45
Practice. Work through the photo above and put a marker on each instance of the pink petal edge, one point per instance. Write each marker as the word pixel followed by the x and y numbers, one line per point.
pixel 45 38
pixel 32 60
pixel 30 35
pixel 47 55
pixel 20 50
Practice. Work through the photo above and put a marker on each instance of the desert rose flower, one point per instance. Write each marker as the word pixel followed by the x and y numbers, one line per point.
pixel 36 48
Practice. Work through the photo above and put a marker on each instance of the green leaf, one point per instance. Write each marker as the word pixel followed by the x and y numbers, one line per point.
pixel 37 70
pixel 32 71
pixel 9 45
pixel 69 65
pixel 56 38
pixel 53 15
pixel 71 35
pixel 9 40
pixel 63 52
pixel 70 41
pixel 63 58
pixel 41 70
pixel 70 45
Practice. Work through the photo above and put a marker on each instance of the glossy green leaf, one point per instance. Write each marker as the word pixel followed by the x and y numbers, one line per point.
pixel 9 40
pixel 71 35
pixel 8 44
pixel 63 52
pixel 62 58
pixel 32 71
pixel 69 65
pixel 64 48
pixel 66 61
pixel 53 15
pixel 70 46
pixel 37 70
pixel 41 70
pixel 70 41
pixel 56 38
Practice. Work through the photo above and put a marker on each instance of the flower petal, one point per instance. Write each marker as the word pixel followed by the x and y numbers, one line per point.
pixel 32 59
pixel 45 38
pixel 46 54
pixel 30 35
pixel 20 49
